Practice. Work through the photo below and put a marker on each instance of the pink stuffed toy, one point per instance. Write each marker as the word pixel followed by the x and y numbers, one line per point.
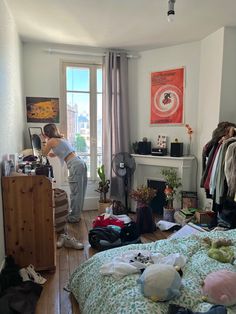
pixel 220 288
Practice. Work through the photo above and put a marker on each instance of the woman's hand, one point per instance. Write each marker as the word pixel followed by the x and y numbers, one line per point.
pixel 43 138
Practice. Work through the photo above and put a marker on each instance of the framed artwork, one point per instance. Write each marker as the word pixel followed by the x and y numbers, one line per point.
pixel 43 110
pixel 162 141
pixel 189 199
pixel 167 97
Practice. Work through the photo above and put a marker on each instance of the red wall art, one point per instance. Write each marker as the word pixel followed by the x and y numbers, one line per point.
pixel 167 97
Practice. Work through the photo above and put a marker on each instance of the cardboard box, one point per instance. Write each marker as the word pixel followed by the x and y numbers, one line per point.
pixel 204 217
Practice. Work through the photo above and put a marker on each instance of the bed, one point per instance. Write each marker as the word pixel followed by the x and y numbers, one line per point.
pixel 97 293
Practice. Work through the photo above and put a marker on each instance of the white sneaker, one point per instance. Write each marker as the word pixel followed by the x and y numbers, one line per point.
pixel 60 240
pixel 35 276
pixel 71 242
pixel 24 274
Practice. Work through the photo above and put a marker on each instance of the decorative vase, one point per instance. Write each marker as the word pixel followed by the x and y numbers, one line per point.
pixel 188 152
pixel 145 221
pixel 168 214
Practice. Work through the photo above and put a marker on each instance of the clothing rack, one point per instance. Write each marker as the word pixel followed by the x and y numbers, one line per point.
pixel 219 171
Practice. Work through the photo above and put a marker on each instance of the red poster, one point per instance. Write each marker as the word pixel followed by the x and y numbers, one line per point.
pixel 167 90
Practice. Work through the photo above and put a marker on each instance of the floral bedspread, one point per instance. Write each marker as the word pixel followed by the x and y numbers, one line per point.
pixel 96 293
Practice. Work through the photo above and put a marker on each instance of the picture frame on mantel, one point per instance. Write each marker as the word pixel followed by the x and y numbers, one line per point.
pixel 167 97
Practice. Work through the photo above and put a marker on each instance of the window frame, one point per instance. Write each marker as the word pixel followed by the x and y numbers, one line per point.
pixel 93 66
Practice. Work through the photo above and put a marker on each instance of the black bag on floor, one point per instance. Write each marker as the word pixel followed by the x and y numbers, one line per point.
pixel 98 235
pixel 130 232
pixel 104 238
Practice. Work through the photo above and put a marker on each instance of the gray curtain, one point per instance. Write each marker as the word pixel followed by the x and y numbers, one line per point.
pixel 116 135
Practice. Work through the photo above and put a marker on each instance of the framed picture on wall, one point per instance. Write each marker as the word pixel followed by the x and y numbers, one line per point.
pixel 167 97
pixel 42 109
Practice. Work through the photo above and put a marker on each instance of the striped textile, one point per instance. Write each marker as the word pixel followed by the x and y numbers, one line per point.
pixel 61 209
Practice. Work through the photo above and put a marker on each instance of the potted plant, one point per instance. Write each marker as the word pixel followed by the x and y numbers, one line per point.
pixel 173 182
pixel 103 189
pixel 143 196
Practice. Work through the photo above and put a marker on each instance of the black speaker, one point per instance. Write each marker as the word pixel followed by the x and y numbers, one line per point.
pixel 144 148
pixel 176 149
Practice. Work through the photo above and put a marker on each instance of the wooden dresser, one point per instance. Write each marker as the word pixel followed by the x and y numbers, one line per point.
pixel 29 221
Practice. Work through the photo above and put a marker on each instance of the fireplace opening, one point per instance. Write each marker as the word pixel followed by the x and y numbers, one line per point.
pixel 158 202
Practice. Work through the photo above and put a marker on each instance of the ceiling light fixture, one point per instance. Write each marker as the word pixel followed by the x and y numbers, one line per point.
pixel 171 10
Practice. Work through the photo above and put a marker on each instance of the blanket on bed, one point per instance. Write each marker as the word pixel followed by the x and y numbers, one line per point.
pixel 97 293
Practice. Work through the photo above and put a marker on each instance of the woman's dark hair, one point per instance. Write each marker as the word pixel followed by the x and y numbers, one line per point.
pixel 51 130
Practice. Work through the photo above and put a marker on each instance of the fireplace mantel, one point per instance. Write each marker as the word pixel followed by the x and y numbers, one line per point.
pixel 149 167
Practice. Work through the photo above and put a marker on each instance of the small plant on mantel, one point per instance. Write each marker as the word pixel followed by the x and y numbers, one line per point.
pixel 173 182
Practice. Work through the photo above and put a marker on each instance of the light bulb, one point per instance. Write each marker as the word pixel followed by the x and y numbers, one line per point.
pixel 170 17
pixel 171 10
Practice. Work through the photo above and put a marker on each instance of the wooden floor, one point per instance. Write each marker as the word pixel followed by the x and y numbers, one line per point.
pixel 54 299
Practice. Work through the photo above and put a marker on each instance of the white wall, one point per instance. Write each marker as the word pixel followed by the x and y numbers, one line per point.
pixel 187 55
pixel 12 113
pixel 228 86
pixel 209 94
pixel 209 86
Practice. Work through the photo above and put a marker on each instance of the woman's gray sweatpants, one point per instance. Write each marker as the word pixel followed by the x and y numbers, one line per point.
pixel 78 183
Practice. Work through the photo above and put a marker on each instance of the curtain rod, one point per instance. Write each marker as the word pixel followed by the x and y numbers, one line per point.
pixel 83 53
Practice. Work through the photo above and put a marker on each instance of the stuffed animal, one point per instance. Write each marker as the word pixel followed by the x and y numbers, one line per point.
pixel 220 288
pixel 160 282
pixel 220 250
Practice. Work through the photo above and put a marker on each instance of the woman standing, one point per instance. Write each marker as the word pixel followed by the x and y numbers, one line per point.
pixel 57 145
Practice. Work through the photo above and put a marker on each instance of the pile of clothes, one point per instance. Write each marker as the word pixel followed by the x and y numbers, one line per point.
pixel 20 289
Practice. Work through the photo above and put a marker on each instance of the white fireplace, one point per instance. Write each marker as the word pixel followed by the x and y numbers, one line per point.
pixel 149 167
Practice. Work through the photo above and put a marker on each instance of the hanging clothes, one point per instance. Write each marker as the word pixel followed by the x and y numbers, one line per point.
pixel 223 129
pixel 220 190
pixel 219 173
pixel 208 177
pixel 230 169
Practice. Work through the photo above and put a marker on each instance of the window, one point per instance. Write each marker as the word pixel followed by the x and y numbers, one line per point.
pixel 83 99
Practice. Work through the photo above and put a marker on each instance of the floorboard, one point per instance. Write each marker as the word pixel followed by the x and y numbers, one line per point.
pixel 54 299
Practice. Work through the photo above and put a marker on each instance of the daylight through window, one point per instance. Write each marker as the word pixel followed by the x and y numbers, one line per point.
pixel 84 113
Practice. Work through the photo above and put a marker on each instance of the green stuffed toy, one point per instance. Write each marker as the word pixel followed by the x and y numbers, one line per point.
pixel 220 250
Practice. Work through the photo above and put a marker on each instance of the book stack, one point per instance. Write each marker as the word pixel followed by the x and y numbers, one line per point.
pixel 183 216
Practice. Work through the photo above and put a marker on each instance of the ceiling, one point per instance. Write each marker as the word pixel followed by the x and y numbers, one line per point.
pixel 126 24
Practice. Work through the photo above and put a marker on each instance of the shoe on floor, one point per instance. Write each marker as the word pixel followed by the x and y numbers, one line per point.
pixel 36 277
pixel 73 220
pixel 71 242
pixel 60 240
pixel 24 274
